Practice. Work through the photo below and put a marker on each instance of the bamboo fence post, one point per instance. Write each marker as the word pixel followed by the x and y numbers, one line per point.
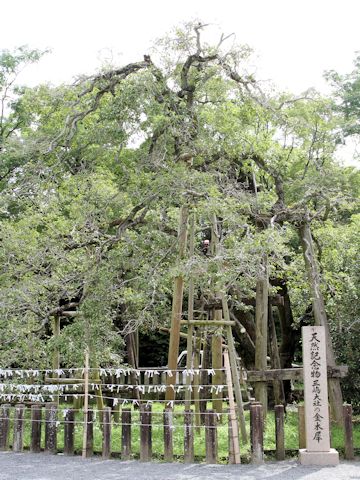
pixel 106 443
pixel 145 433
pixel 348 432
pixel 168 435
pixel 86 402
pixel 4 426
pixel 36 414
pixel 51 428
pixel 69 429
pixel 279 432
pixel 257 433
pixel 188 436
pixel 18 443
pixel 125 434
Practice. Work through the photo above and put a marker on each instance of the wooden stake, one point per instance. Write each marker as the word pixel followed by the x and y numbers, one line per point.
pixel 188 436
pixel 51 428
pixel 86 402
pixel 125 434
pixel 106 444
pixel 211 436
pixel 69 430
pixel 233 420
pixel 279 432
pixel 168 435
pixel 4 426
pixel 145 433
pixel 348 433
pixel 18 443
pixel 36 413
pixel 257 433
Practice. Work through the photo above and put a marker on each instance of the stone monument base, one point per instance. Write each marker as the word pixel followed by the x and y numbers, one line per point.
pixel 319 458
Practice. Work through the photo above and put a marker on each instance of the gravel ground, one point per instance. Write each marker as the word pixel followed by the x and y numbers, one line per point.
pixel 27 466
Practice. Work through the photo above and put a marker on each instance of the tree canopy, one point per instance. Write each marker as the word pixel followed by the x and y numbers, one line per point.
pixel 93 176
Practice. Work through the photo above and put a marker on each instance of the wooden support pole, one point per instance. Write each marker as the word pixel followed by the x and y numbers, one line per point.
pixel 234 450
pixel 188 436
pixel 86 402
pixel 211 436
pixel 145 433
pixel 234 371
pixel 257 433
pixel 56 354
pixel 168 435
pixel 177 306
pixel 125 434
pixel 99 395
pixel 18 443
pixel 278 386
pixel 4 426
pixel 106 433
pixel 204 377
pixel 36 417
pixel 189 343
pixel 301 426
pixel 231 441
pixel 261 321
pixel 217 364
pixel 51 428
pixel 348 433
pixel 279 432
pixel 69 430
pixel 196 382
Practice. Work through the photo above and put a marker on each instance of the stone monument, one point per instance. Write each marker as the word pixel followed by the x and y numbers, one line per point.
pixel 318 451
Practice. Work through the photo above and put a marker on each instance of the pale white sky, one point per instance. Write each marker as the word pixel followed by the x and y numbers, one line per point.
pixel 294 40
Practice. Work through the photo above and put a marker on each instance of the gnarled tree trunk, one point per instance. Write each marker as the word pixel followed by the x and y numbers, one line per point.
pixel 311 264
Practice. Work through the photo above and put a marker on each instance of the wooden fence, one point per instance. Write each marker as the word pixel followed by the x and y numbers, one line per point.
pixel 42 428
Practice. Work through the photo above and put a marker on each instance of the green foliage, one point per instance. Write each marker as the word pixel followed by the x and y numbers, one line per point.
pixel 92 182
